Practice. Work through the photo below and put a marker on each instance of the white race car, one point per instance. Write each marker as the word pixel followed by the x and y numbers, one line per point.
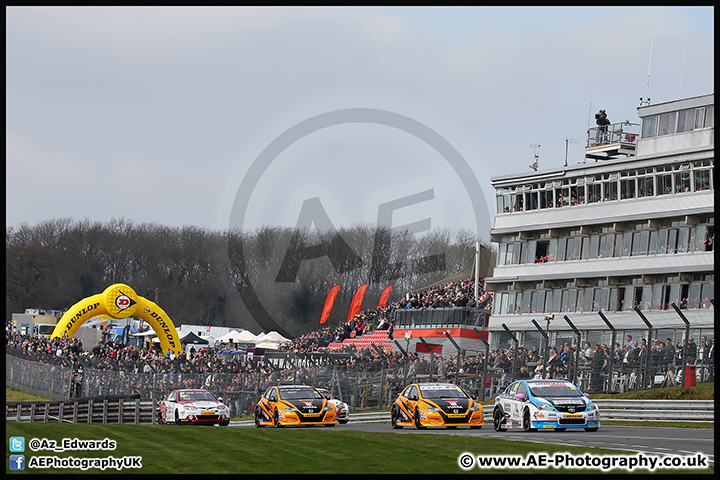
pixel 533 404
pixel 194 406
pixel 342 412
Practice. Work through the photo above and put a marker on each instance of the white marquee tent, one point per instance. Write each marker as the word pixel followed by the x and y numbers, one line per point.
pixel 273 337
pixel 246 336
pixel 228 337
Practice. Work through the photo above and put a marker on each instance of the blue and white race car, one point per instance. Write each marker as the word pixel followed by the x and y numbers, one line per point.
pixel 533 404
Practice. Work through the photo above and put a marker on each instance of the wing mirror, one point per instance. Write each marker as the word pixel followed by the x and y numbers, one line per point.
pixel 520 396
pixel 413 397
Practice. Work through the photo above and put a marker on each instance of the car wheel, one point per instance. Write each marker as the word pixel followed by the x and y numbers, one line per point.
pixel 343 421
pixel 418 425
pixel 225 423
pixel 394 418
pixel 177 418
pixel 276 420
pixel 498 421
pixel 257 419
pixel 527 423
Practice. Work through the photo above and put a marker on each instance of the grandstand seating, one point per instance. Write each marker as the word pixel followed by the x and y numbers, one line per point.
pixel 378 337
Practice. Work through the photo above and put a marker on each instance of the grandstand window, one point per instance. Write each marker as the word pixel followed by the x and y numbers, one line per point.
pixel 667 123
pixel 649 126
pixel 686 120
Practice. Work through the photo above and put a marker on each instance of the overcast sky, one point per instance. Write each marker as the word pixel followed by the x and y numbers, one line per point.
pixel 217 116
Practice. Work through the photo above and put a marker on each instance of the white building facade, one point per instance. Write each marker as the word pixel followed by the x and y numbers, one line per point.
pixel 631 227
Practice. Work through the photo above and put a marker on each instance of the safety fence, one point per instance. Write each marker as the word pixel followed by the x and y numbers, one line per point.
pixel 361 384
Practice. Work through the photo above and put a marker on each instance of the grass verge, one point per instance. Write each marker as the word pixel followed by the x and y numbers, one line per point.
pixel 167 449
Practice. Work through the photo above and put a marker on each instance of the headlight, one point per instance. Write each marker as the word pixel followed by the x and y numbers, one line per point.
pixel 190 407
pixel 431 409
pixel 288 409
pixel 545 406
pixel 474 408
pixel 591 407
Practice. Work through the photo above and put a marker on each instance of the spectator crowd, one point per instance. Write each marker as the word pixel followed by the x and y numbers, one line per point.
pixel 132 366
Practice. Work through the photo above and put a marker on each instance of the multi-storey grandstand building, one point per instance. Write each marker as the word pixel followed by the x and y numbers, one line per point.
pixel 624 235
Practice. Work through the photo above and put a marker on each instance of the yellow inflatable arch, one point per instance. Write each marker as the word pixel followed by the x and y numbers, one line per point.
pixel 120 301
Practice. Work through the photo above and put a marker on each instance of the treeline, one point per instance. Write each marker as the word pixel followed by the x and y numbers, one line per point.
pixel 272 278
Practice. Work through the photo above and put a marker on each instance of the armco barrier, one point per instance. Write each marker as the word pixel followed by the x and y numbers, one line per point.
pixel 657 410
pixel 620 410
pixel 107 410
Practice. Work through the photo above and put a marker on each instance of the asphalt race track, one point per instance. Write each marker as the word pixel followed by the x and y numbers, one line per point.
pixel 646 440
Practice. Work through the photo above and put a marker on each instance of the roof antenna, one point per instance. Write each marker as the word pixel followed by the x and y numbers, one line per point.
pixel 646 100
pixel 568 140
pixel 682 72
pixel 534 166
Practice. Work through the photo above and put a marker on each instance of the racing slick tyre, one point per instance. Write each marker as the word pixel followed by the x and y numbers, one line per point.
pixel 498 421
pixel 342 422
pixel 418 425
pixel 394 418
pixel 257 419
pixel 526 423
pixel 177 419
pixel 276 420
pixel 225 423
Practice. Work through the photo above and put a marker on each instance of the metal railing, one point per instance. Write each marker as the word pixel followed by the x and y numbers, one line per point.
pixel 616 133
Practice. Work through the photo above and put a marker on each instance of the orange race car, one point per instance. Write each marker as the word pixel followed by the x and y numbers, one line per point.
pixel 435 405
pixel 294 405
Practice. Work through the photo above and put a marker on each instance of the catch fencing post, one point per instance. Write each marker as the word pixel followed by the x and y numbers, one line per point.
pixel 646 367
pixel 485 363
pixel 685 343
pixel 612 346
pixel 577 353
pixel 460 354
pixel 515 356
pixel 547 346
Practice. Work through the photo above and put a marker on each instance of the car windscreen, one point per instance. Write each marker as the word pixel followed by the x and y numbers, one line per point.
pixel 197 397
pixel 554 390
pixel 299 393
pixel 442 392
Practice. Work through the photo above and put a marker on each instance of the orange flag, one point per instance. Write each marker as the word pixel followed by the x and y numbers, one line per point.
pixel 384 297
pixel 356 302
pixel 329 303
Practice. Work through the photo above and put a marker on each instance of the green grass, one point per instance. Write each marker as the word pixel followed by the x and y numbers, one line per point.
pixel 168 449
pixel 703 391
pixel 12 395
